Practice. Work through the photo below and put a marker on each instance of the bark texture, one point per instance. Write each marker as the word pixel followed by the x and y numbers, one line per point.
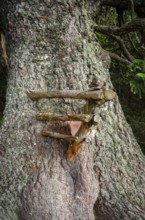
pixel 54 48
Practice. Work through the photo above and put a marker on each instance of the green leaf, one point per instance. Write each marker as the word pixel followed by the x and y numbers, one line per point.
pixel 137 88
pixel 140 76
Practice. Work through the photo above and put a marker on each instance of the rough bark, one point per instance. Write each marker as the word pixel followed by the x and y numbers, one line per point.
pixel 53 48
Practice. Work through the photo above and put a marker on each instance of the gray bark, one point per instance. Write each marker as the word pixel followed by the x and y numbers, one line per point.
pixel 54 48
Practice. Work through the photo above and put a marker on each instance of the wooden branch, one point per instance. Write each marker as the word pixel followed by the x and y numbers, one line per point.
pixel 132 43
pixel 124 5
pixel 81 135
pixel 118 58
pixel 52 116
pixel 135 25
pixel 73 94
pixel 76 140
pixel 58 135
pixel 120 41
pixel 124 48
pixel 132 9
pixel 4 49
pixel 97 95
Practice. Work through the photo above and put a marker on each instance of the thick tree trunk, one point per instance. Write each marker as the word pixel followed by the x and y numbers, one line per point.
pixel 53 48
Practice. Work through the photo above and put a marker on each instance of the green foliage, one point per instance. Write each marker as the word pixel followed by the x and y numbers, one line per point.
pixel 136 88
pixel 129 80
pixel 141 76
pixel 132 75
pixel 136 77
pixel 103 39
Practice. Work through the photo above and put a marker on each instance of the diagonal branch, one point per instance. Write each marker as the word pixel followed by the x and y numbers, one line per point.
pixel 124 48
pixel 121 43
pixel 118 58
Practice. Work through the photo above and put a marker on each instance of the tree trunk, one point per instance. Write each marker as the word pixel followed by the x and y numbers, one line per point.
pixel 53 47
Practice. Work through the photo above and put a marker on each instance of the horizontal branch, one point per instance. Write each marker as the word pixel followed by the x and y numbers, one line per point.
pixel 59 136
pixel 107 95
pixel 117 4
pixel 135 25
pixel 52 116
pixel 125 5
pixel 72 94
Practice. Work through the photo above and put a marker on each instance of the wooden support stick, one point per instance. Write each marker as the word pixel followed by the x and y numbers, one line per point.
pixel 78 117
pixel 73 94
pixel 59 136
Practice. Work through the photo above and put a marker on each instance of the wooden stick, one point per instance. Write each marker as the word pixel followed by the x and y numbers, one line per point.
pixel 73 94
pixel 78 117
pixel 81 135
pixel 59 136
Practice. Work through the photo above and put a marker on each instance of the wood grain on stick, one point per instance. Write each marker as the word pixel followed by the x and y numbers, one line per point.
pixel 73 94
